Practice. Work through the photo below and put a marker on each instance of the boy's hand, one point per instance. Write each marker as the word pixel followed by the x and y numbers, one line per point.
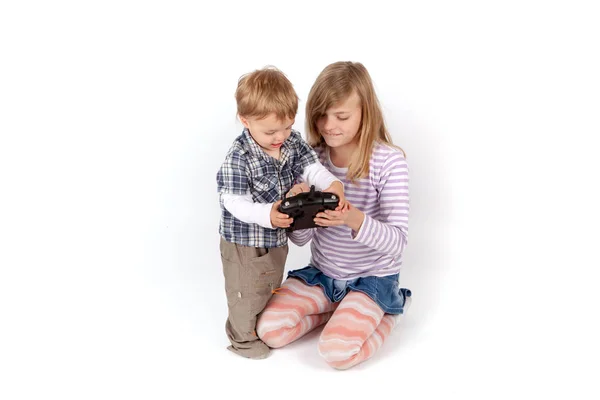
pixel 279 220
pixel 338 189
pixel 297 189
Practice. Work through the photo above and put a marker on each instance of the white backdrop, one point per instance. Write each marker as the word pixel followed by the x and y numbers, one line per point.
pixel 115 116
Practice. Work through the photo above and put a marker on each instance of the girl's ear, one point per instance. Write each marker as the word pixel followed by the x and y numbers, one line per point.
pixel 244 122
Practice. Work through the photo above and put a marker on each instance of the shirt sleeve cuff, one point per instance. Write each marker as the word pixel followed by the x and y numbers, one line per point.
pixel 265 216
pixel 365 230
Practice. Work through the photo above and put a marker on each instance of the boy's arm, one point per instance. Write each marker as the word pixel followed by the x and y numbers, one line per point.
pixel 234 190
pixel 316 174
pixel 313 172
pixel 232 177
pixel 245 209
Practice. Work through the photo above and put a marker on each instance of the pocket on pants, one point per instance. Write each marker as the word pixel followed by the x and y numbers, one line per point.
pixel 263 274
pixel 231 272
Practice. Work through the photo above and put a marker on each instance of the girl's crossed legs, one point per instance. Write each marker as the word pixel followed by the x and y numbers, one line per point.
pixel 356 329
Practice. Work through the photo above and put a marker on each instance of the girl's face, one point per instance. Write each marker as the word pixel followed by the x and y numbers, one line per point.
pixel 339 125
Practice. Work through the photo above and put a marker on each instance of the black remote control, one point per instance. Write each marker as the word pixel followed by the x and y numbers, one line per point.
pixel 305 206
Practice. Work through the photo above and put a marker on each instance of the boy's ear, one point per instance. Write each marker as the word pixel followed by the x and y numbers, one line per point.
pixel 244 122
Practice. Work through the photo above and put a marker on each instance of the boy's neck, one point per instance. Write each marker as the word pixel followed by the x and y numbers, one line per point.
pixel 276 154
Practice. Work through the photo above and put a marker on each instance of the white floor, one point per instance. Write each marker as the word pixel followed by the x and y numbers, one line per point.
pixel 155 330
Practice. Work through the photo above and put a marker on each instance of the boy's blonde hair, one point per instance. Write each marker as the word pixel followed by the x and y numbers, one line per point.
pixel 335 84
pixel 266 91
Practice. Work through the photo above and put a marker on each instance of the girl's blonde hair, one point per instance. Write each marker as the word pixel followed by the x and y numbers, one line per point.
pixel 266 91
pixel 335 84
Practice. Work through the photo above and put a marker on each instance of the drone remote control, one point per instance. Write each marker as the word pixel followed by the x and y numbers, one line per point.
pixel 305 206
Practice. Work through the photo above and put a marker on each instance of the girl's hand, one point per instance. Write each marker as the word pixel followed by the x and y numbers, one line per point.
pixel 338 189
pixel 297 189
pixel 351 217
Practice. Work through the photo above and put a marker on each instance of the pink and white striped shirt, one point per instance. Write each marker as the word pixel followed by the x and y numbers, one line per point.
pixel 376 250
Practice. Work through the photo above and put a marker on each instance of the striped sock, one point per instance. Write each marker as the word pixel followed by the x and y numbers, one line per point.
pixel 355 332
pixel 292 312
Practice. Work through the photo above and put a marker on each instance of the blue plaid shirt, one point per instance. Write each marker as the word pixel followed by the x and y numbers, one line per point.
pixel 248 169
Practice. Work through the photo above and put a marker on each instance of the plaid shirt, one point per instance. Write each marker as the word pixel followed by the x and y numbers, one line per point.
pixel 248 169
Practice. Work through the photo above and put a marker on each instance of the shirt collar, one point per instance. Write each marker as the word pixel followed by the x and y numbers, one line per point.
pixel 256 150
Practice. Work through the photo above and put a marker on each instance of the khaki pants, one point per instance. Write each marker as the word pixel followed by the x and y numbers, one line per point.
pixel 250 276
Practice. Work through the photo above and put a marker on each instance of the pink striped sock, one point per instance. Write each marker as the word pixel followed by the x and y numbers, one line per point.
pixel 355 332
pixel 292 312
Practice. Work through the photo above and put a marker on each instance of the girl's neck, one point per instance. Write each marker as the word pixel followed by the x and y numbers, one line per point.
pixel 341 156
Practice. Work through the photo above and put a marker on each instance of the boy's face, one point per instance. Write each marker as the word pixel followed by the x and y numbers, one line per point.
pixel 269 132
pixel 339 125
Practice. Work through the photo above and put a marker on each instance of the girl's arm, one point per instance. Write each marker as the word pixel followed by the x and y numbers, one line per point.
pixel 389 232
pixel 302 236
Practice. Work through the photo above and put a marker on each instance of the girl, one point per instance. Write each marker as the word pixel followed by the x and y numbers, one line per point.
pixel 351 282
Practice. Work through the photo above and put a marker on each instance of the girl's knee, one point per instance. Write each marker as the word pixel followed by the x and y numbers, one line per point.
pixel 272 342
pixel 275 339
pixel 271 332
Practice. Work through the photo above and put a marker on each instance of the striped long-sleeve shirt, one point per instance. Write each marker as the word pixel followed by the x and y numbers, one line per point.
pixel 376 250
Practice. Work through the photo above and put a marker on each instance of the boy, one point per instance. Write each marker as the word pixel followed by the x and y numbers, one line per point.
pixel 261 166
